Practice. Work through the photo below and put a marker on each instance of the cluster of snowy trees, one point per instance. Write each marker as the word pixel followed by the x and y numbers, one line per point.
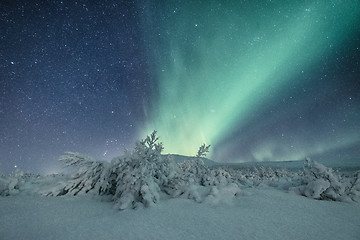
pixel 143 176
pixel 28 183
pixel 320 182
pixel 11 185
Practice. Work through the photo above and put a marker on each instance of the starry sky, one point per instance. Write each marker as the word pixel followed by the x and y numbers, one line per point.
pixel 258 80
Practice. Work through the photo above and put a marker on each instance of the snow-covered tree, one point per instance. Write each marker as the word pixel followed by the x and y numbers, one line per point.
pixel 142 174
pixel 89 176
pixel 322 183
pixel 135 179
pixel 203 150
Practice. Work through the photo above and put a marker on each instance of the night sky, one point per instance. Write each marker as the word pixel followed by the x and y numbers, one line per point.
pixel 258 80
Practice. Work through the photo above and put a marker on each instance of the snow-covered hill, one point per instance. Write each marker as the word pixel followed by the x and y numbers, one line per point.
pixel 351 164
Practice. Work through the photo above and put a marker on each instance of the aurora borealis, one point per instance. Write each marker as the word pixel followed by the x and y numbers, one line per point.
pixel 257 80
pixel 226 68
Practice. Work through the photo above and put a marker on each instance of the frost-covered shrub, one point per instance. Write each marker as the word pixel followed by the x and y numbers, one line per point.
pixel 4 186
pixel 88 177
pixel 216 177
pixel 187 179
pixel 15 183
pixel 10 185
pixel 322 183
pixel 194 171
pixel 194 180
pixel 262 176
pixel 353 189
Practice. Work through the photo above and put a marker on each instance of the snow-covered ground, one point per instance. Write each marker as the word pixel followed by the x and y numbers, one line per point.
pixel 144 195
pixel 263 213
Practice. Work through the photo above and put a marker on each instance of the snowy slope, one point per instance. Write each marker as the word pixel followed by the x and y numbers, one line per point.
pixel 352 164
pixel 263 214
pixel 346 164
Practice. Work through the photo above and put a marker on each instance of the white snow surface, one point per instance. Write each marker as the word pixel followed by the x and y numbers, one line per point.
pixel 263 213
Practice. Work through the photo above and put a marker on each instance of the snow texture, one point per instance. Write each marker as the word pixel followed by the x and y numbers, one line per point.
pixel 265 213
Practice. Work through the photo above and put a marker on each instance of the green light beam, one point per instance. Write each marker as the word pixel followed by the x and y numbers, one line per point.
pixel 217 63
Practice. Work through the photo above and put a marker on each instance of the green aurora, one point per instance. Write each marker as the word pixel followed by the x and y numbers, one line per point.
pixel 217 64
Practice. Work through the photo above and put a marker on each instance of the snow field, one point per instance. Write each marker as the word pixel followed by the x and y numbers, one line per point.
pixel 263 213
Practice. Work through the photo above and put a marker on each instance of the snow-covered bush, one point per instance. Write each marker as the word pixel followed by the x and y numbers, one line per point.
pixel 88 177
pixel 4 186
pixel 323 183
pixel 216 177
pixel 194 170
pixel 10 185
pixel 267 177
pixel 353 189
pixel 187 179
pixel 16 183
pixel 194 180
